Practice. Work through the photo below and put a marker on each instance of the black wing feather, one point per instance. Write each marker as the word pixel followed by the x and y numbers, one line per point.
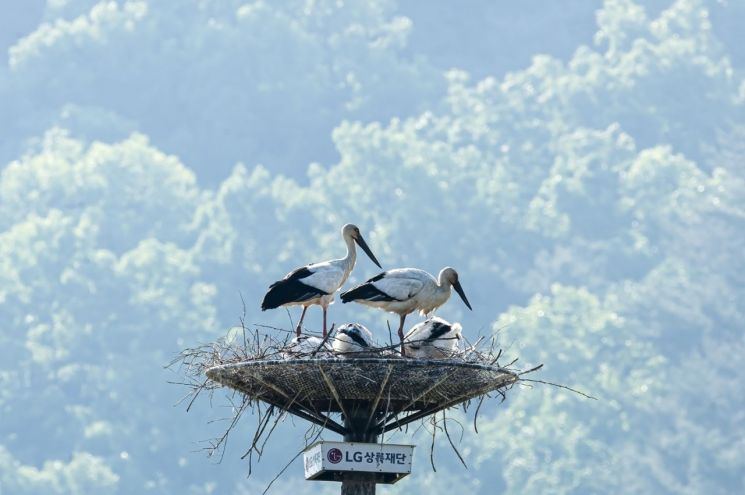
pixel 298 274
pixel 367 292
pixel 438 330
pixel 290 289
pixel 356 337
pixel 376 277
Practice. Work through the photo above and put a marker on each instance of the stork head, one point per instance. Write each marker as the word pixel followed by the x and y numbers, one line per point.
pixel 355 329
pixel 351 231
pixel 458 330
pixel 357 333
pixel 449 277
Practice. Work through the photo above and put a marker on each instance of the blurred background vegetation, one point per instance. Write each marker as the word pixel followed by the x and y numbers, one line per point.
pixel 580 163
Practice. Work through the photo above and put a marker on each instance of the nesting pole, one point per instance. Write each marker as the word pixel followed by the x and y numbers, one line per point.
pixel 357 428
pixel 361 399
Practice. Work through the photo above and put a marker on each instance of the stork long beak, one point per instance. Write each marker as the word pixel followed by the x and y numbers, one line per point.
pixel 366 249
pixel 459 290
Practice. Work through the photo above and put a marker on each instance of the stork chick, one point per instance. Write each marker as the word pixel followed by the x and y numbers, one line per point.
pixel 352 338
pixel 434 338
pixel 306 346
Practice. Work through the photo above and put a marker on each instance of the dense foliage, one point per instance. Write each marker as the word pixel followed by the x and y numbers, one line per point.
pixel 161 160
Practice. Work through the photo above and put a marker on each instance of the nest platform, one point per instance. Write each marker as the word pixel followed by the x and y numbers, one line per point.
pixel 373 395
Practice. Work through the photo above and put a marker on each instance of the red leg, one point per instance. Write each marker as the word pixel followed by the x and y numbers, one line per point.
pixel 300 323
pixel 401 334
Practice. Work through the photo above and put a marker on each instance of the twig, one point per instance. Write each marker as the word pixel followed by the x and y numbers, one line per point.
pixel 531 370
pixel 290 462
pixel 323 342
pixel 476 414
pixel 558 385
pixel 258 345
pixel 243 320
pixel 447 434
pixel 432 446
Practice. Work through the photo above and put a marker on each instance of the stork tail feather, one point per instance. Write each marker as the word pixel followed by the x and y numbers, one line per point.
pixel 288 291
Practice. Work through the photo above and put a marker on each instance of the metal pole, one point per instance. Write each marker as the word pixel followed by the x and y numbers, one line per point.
pixel 359 431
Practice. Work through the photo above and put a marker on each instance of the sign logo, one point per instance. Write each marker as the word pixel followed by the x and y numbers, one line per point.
pixel 334 456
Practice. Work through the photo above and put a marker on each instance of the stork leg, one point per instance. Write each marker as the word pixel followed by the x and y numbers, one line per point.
pixel 324 322
pixel 300 323
pixel 401 334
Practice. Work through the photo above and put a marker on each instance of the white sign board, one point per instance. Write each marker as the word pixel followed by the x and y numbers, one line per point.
pixel 324 456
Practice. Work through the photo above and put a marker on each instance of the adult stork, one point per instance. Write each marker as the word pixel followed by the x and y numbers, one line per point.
pixel 405 290
pixel 316 283
pixel 434 338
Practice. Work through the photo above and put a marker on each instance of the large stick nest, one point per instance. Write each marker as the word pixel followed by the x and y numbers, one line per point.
pixel 275 376
pixel 315 388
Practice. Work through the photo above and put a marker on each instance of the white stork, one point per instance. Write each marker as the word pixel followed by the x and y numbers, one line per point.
pixel 405 290
pixel 352 337
pixel 306 346
pixel 316 283
pixel 434 338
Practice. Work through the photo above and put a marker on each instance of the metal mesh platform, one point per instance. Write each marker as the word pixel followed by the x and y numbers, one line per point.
pixel 390 392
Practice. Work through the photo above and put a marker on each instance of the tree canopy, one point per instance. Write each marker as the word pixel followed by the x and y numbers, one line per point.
pixel 162 161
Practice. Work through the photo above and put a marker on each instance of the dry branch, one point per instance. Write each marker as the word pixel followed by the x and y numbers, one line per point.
pixel 378 371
